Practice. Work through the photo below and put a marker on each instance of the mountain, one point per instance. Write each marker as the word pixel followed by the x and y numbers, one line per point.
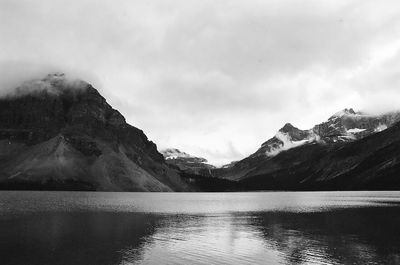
pixel 344 126
pixel 286 138
pixel 198 173
pixel 371 163
pixel 60 133
pixel 319 157
pixel 187 163
pixel 348 125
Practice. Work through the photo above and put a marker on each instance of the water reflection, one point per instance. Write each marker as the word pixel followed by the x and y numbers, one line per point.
pixel 72 238
pixel 216 239
pixel 348 235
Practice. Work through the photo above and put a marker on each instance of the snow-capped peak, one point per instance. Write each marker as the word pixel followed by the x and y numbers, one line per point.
pixel 173 153
pixel 344 126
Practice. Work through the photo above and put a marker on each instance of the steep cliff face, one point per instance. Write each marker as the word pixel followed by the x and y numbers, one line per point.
pixel 57 131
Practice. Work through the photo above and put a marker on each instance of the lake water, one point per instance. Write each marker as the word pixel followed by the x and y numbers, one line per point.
pixel 39 228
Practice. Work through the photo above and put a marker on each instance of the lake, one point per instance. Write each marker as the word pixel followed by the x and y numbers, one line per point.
pixel 199 228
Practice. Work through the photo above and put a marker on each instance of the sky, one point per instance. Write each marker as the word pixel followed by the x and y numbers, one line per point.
pixel 214 78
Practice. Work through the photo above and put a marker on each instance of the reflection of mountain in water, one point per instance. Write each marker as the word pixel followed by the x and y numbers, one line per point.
pixel 72 238
pixel 347 236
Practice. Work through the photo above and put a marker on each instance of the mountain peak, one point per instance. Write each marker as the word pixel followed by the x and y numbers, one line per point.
pixel 293 132
pixel 344 112
pixel 173 153
pixel 55 75
pixel 288 127
pixel 46 106
pixel 186 162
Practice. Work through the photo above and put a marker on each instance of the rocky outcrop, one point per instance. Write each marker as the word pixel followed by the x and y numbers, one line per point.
pixel 56 130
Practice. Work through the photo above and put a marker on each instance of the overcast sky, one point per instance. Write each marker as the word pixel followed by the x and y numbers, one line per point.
pixel 213 78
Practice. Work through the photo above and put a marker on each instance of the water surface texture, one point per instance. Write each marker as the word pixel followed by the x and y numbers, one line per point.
pixel 199 228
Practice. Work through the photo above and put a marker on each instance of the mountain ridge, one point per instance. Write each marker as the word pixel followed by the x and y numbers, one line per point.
pixel 344 126
pixel 370 163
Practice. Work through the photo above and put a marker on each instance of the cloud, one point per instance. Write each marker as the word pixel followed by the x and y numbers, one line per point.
pixel 204 76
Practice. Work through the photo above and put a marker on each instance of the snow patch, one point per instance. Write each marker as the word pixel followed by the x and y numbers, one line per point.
pixel 347 137
pixel 381 127
pixel 287 143
pixel 355 130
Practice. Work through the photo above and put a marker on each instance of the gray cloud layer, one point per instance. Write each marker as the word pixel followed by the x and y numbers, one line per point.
pixel 213 78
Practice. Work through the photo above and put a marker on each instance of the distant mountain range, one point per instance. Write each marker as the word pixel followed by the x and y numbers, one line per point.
pixel 187 163
pixel 61 134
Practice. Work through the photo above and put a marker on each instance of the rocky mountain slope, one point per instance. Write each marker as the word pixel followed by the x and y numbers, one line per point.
pixel 319 158
pixel 57 133
pixel 187 163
